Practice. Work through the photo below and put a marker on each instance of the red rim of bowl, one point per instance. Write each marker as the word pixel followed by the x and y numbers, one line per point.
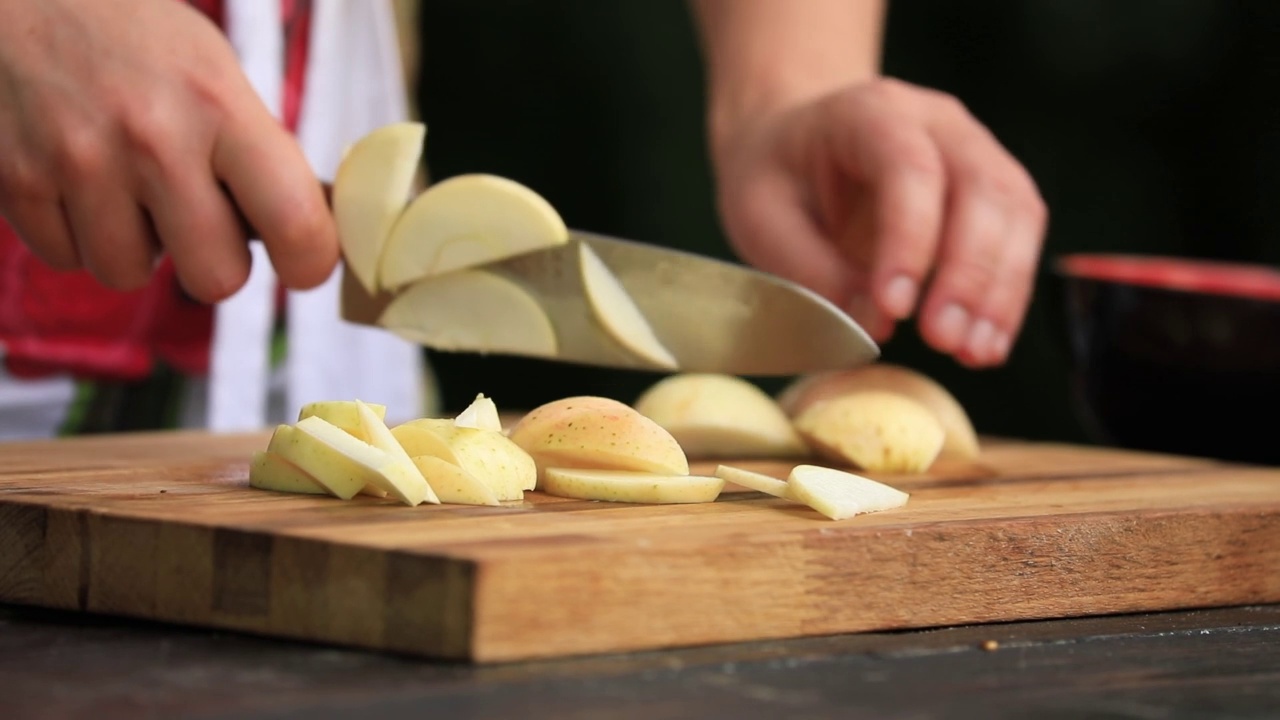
pixel 1256 282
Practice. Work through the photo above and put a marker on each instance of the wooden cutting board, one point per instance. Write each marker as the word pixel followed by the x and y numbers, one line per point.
pixel 164 526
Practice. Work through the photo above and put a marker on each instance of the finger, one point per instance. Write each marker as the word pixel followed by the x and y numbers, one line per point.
pixel 1005 306
pixel 42 225
pixel 900 163
pixel 273 185
pixel 111 233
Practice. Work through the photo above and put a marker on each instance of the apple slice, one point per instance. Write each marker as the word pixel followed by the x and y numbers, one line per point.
pixel 617 312
pixel 481 414
pixel 720 416
pixel 342 413
pixel 452 484
pixel 371 188
pixel 875 430
pixel 753 481
pixel 486 454
pixel 414 489
pixel 839 495
pixel 419 439
pixel 631 487
pixel 471 310
pixel 343 464
pixel 269 471
pixel 466 221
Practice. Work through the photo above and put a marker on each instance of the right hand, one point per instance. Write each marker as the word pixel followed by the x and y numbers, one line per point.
pixel 127 129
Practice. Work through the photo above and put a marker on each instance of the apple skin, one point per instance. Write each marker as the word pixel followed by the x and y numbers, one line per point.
pixel 876 431
pixel 720 416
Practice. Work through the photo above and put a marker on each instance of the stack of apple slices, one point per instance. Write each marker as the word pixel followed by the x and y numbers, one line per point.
pixel 436 259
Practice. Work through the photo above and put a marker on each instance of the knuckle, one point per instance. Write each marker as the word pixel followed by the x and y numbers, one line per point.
pixel 972 276
pixel 147 131
pixel 81 154
pixel 21 180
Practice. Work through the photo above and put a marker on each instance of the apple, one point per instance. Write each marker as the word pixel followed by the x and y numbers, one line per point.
pixel 753 481
pixel 452 484
pixel 371 187
pixel 481 414
pixel 961 438
pixel 838 494
pixel 719 416
pixel 414 489
pixel 342 463
pixel 597 433
pixel 617 313
pixel 269 471
pixel 488 455
pixel 467 221
pixel 471 310
pixel 875 430
pixel 630 487
pixel 342 413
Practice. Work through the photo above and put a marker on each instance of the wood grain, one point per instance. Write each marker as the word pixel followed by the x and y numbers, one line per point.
pixel 163 526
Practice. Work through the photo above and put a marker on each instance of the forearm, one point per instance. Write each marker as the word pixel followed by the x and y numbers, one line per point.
pixel 765 55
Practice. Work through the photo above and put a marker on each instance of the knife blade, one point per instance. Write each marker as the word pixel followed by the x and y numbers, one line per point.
pixel 713 315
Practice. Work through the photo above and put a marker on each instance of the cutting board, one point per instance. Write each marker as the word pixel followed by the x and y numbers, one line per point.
pixel 164 526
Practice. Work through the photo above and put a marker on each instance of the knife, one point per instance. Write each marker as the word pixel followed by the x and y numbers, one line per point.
pixel 714 316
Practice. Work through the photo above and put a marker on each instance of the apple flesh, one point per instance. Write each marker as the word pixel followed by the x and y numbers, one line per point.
pixel 720 416
pixel 371 187
pixel 753 481
pixel 876 431
pixel 597 433
pixel 343 413
pixel 481 414
pixel 410 488
pixel 464 222
pixel 472 310
pixel 840 495
pixel 488 455
pixel 452 484
pixel 343 464
pixel 631 487
pixel 269 471
pixel 961 438
pixel 618 314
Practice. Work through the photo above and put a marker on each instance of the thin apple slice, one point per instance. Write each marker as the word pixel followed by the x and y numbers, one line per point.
pixel 419 438
pixel 481 414
pixel 343 464
pixel 269 471
pixel 410 488
pixel 371 188
pixel 838 494
pixel 486 454
pixel 452 484
pixel 617 312
pixel 630 487
pixel 753 481
pixel 467 221
pixel 342 413
pixel 474 311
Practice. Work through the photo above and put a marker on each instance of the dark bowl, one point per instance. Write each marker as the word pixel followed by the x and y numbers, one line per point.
pixel 1174 355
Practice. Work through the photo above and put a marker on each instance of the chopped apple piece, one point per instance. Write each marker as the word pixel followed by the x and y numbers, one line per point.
pixel 371 188
pixel 409 488
pixel 597 433
pixel 720 416
pixel 630 487
pixel 617 312
pixel 452 484
pixel 343 464
pixel 269 471
pixel 481 414
pixel 488 455
pixel 466 221
pixel 342 413
pixel 839 495
pixel 472 310
pixel 419 438
pixel 961 438
pixel 877 431
pixel 753 481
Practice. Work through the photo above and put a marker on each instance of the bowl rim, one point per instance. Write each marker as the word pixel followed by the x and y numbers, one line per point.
pixel 1254 281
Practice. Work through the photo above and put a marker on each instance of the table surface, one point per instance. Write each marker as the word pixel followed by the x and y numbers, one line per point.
pixel 1199 664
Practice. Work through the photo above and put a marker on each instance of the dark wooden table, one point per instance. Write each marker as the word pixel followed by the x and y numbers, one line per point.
pixel 1219 663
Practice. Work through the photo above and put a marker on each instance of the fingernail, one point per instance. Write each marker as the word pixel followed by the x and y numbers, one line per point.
pixel 953 323
pixel 979 344
pixel 900 296
pixel 1000 345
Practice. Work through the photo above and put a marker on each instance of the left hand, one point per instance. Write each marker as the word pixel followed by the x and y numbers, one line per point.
pixel 887 198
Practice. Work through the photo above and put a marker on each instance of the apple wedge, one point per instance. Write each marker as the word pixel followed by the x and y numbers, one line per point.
pixel 343 464
pixel 452 484
pixel 481 414
pixel 412 491
pixel 342 413
pixel 753 481
pixel 838 494
pixel 467 221
pixel 600 434
pixel 371 188
pixel 618 314
pixel 487 455
pixel 269 471
pixel 630 487
pixel 720 416
pixel 471 310
pixel 876 431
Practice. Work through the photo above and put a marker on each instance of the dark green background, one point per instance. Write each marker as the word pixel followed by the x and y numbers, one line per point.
pixel 1150 125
